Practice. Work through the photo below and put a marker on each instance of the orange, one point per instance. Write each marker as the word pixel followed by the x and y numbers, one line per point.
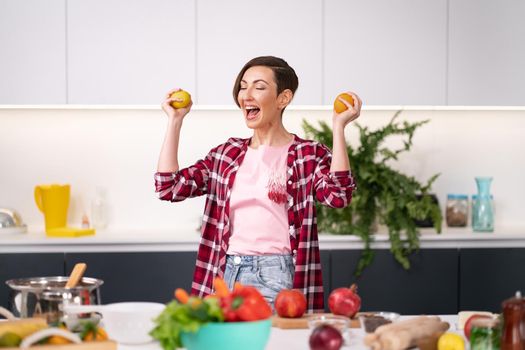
pixel 340 106
pixel 184 96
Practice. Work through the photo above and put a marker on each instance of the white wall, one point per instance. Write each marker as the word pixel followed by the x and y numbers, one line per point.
pixel 117 148
pixel 409 52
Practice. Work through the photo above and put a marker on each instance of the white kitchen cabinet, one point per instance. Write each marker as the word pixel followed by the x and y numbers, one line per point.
pixel 389 52
pixel 487 52
pixel 32 52
pixel 231 33
pixel 129 52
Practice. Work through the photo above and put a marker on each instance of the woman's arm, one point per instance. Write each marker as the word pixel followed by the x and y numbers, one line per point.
pixel 340 160
pixel 168 158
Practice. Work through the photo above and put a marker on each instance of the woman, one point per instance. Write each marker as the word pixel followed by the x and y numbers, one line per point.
pixel 259 223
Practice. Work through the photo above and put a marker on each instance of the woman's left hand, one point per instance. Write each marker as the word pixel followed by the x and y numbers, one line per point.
pixel 350 114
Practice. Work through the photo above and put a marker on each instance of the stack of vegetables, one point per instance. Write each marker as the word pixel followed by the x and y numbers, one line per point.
pixel 188 313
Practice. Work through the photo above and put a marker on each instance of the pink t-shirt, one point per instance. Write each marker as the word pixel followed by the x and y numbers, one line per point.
pixel 260 224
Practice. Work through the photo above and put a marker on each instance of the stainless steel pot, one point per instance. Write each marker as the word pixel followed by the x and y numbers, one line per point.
pixel 45 296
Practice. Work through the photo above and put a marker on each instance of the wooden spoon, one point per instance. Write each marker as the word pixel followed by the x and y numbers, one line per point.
pixel 76 275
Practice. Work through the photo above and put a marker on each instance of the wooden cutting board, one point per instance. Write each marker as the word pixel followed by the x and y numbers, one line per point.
pixel 302 322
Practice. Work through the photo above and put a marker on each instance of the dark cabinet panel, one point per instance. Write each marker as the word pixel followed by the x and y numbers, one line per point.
pixel 140 276
pixel 327 283
pixel 18 265
pixel 489 276
pixel 428 287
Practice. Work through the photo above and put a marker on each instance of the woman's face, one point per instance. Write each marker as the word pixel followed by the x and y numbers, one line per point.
pixel 258 98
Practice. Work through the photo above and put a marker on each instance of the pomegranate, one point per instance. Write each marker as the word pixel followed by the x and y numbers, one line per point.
pixel 325 337
pixel 290 303
pixel 344 301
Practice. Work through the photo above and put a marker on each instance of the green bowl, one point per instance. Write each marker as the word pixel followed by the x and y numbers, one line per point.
pixel 229 336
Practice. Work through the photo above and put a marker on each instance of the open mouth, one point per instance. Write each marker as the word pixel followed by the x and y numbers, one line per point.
pixel 252 112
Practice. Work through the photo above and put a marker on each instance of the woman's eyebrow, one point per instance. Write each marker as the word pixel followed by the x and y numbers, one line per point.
pixel 256 81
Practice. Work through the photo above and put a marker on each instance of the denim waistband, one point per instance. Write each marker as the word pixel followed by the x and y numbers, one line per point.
pixel 255 261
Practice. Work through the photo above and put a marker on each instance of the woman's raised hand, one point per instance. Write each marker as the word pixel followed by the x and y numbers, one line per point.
pixel 172 112
pixel 352 113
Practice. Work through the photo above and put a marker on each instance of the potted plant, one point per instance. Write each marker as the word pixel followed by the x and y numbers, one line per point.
pixel 384 195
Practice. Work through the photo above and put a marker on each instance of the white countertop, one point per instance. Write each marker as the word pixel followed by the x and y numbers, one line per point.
pixel 297 339
pixel 187 239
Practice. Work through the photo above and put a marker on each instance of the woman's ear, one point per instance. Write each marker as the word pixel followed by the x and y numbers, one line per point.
pixel 284 98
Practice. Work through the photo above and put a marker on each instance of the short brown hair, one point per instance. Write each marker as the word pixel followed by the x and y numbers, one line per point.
pixel 284 75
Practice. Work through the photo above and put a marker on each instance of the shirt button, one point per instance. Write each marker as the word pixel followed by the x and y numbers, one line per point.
pixel 237 260
pixel 295 251
pixel 289 182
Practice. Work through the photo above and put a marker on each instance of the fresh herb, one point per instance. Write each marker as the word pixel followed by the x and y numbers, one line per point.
pixel 383 194
pixel 177 318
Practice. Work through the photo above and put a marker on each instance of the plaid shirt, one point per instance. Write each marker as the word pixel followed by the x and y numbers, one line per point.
pixel 308 177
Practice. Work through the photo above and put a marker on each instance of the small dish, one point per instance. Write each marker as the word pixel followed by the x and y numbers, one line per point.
pixel 341 323
pixel 370 321
pixel 76 324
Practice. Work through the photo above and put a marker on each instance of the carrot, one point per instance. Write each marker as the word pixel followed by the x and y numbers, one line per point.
pixel 181 295
pixel 237 286
pixel 221 288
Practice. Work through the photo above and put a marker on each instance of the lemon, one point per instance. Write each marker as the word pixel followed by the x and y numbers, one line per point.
pixel 10 339
pixel 182 95
pixel 451 341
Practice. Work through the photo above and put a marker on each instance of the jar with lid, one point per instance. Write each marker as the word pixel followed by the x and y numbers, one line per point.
pixel 457 210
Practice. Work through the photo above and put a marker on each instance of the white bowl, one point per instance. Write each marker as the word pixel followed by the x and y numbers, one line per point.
pixel 127 322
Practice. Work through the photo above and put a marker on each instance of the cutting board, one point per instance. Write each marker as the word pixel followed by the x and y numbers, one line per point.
pixel 95 345
pixel 302 322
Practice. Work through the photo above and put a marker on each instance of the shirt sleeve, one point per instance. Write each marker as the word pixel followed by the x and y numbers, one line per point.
pixel 185 183
pixel 333 189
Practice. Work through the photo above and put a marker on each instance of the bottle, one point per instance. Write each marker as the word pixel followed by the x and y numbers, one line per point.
pixel 513 332
pixel 99 216
pixel 483 213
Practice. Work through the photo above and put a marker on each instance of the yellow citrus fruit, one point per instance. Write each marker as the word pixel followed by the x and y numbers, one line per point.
pixel 451 341
pixel 340 106
pixel 184 96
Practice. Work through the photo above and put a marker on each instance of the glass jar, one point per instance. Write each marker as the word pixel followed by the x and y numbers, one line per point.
pixel 485 334
pixel 457 210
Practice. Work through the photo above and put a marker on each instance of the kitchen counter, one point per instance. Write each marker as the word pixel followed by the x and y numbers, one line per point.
pixel 187 239
pixel 297 339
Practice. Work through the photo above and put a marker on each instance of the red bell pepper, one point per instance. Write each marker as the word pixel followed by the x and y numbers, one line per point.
pixel 245 303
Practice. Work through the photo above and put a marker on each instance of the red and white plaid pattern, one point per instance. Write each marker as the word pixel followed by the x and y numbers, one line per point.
pixel 308 178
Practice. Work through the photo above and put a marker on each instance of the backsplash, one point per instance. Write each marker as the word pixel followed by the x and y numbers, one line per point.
pixel 116 148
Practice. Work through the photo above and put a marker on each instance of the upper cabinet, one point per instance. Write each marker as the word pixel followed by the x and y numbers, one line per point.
pixel 231 33
pixel 407 52
pixel 486 52
pixel 389 52
pixel 32 52
pixel 129 52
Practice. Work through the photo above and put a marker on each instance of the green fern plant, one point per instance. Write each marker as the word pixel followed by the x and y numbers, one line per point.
pixel 384 195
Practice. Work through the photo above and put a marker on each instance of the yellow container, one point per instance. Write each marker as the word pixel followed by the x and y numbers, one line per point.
pixel 53 202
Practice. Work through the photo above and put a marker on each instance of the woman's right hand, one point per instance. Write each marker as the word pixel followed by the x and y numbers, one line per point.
pixel 175 113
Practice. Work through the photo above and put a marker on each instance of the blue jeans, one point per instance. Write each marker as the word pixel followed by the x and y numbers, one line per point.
pixel 268 273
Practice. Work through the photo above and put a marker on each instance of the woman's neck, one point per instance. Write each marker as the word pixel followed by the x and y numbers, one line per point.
pixel 271 137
